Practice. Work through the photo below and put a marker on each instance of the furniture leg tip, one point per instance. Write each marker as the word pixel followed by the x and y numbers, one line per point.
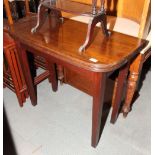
pixel 33 30
pixel 34 104
pixel 21 105
pixel 125 114
pixel 125 111
pixel 62 20
pixel 109 33
pixel 94 145
pixel 61 83
pixel 81 49
pixel 112 121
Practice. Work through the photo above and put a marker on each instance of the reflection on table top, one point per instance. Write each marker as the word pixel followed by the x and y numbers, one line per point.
pixel 64 40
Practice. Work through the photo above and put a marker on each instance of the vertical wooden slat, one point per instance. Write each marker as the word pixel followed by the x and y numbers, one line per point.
pixel 27 7
pixel 8 12
pixel 144 19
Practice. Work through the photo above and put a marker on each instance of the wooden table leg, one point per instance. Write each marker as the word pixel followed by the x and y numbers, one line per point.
pixel 98 101
pixel 123 72
pixel 27 74
pixel 53 78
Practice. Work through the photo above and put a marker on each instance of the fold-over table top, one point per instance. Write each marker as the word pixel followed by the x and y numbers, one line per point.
pixel 62 41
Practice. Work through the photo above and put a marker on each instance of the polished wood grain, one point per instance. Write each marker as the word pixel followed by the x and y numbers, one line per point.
pixel 110 53
pixel 56 7
pixel 59 46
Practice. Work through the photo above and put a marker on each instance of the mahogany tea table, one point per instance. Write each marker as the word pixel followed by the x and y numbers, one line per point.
pixel 56 7
pixel 59 45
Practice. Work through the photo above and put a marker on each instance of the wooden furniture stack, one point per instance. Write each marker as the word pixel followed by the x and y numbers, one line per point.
pixel 96 64
pixel 12 72
pixel 87 71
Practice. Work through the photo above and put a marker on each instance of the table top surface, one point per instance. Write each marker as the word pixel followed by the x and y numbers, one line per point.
pixel 62 41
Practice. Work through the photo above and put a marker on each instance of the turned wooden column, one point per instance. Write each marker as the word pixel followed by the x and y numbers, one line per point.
pixel 8 12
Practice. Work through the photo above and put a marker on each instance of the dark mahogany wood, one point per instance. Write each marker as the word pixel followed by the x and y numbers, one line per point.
pixel 119 92
pixel 57 6
pixel 27 74
pixel 100 17
pixel 103 56
pixel 99 86
pixel 53 78
pixel 41 16
pixel 110 53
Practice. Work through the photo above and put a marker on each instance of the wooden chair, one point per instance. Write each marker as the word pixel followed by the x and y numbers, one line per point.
pixel 139 12
pixel 12 72
pixel 131 18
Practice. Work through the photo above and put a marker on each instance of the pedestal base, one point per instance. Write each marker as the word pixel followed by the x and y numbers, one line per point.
pixel 97 17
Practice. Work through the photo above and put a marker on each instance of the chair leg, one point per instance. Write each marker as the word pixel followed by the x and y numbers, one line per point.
pixel 119 91
pixel 131 87
pixel 13 75
pixel 135 70
pixel 27 73
pixel 18 72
